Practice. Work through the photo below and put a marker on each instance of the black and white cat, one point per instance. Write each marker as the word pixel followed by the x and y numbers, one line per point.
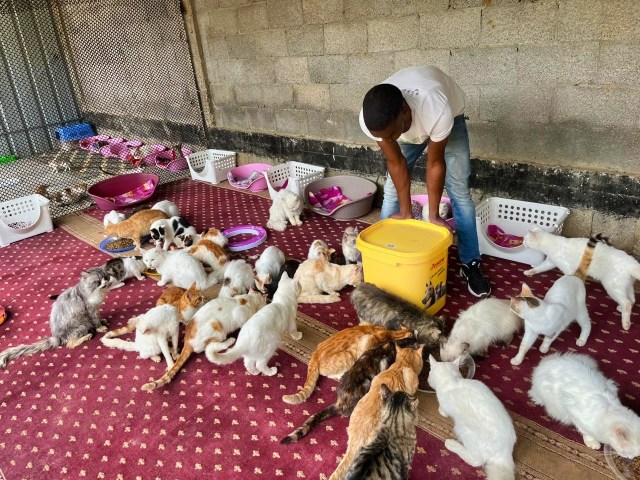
pixel 176 230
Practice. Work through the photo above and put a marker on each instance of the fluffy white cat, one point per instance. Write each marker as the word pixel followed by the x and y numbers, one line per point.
pixel 286 206
pixel 615 269
pixel 168 207
pixel 261 336
pixel 575 392
pixel 485 323
pixel 268 266
pixel 483 426
pixel 237 278
pixel 113 217
pixel 179 268
pixel 564 302
pixel 153 329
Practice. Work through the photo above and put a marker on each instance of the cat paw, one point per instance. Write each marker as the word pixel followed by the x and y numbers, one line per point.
pixel 516 361
pixel 296 335
pixel 451 445
pixel 543 349
pixel 102 328
pixel 626 324
pixel 580 342
pixel 175 355
pixel 156 358
pixel 162 283
pixel 270 372
pixel 591 442
pixel 442 413
pixel 529 272
pixel 253 371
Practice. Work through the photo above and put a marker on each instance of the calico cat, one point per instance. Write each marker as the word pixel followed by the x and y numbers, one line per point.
pixel 319 275
pixel 286 206
pixel 178 267
pixel 237 278
pixel 153 331
pixel 289 267
pixel 319 249
pixel 365 419
pixel 268 267
pixel 353 385
pixel 615 269
pixel 337 354
pixel 261 335
pixel 349 250
pixel 74 317
pixel 574 391
pixel 186 301
pixel 211 250
pixel 391 452
pixel 483 426
pixel 211 324
pixel 135 227
pixel 485 323
pixel 377 307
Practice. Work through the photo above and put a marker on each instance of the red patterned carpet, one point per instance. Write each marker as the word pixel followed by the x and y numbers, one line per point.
pixel 74 413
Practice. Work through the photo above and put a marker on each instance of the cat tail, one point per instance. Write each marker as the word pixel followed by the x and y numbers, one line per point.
pixel 313 373
pixel 18 351
pixel 125 345
pixel 225 358
pixel 500 469
pixel 186 352
pixel 319 298
pixel 312 422
pixel 587 256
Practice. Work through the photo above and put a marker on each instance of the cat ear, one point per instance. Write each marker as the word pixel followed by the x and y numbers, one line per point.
pixel 284 275
pixel 464 347
pixel 442 340
pixel 622 435
pixel 384 391
pixel 526 291
pixel 194 286
pixel 149 330
pixel 432 361
pixel 413 403
pixel 332 250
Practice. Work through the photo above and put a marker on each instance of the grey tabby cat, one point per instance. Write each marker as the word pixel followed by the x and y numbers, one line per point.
pixel 74 317
pixel 390 454
pixel 349 251
pixel 377 307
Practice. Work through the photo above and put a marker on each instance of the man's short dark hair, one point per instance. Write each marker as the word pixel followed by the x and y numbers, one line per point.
pixel 381 106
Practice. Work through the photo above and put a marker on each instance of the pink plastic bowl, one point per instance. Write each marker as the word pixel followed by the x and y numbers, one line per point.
pixel 245 171
pixel 119 185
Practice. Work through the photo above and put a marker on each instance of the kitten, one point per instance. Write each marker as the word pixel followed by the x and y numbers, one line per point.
pixel 74 317
pixel 153 331
pixel 351 388
pixel 237 278
pixel 391 452
pixel 337 354
pixel 268 267
pixel 186 301
pixel 319 249
pixel 178 267
pixel 289 267
pixel 365 419
pixel 615 269
pixel 120 269
pixel 377 307
pixel 574 391
pixel 135 227
pixel 349 251
pixel 261 335
pixel 485 323
pixel 483 426
pixel 210 325
pixel 113 217
pixel 286 206
pixel 564 302
pixel 65 196
pixel 319 275
pixel 211 250
pixel 169 208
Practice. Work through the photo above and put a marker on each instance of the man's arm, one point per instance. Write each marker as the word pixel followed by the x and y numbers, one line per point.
pixel 397 166
pixel 436 171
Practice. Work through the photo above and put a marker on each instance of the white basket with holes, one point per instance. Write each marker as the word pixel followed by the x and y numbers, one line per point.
pixel 24 217
pixel 296 175
pixel 516 217
pixel 211 165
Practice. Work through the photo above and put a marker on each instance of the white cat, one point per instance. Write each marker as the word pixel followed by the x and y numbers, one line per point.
pixel 168 207
pixel 575 392
pixel 615 269
pixel 179 268
pixel 261 336
pixel 153 331
pixel 268 266
pixel 564 302
pixel 286 206
pixel 237 278
pixel 483 426
pixel 319 249
pixel 113 217
pixel 485 323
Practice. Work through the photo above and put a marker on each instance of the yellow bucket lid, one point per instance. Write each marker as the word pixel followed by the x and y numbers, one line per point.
pixel 410 239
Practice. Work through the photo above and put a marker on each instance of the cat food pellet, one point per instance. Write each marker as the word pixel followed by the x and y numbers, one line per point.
pixel 119 243
pixel 629 469
pixel 19 225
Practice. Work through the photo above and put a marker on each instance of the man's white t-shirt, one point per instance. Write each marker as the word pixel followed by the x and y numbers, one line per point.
pixel 434 98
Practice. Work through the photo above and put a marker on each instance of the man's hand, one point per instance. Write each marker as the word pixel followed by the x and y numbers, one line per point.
pixel 436 220
pixel 402 216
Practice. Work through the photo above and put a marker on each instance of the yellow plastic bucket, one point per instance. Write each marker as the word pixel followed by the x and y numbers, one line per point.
pixel 407 258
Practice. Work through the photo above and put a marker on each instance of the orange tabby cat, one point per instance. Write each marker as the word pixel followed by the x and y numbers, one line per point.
pixel 135 227
pixel 365 419
pixel 337 354
pixel 186 301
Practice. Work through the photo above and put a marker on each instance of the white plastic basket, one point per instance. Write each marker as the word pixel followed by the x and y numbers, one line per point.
pixel 516 217
pixel 297 175
pixel 24 217
pixel 211 165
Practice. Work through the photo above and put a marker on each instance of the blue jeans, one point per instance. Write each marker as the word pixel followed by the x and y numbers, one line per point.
pixel 458 160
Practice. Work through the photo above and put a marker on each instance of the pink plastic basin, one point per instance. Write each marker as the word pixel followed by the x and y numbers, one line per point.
pixel 119 185
pixel 423 199
pixel 244 171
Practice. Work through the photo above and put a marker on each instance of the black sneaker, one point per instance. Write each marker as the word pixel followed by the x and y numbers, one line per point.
pixel 478 284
